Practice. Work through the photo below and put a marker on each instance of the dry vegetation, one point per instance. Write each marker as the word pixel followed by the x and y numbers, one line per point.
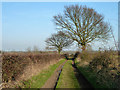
pixel 20 66
pixel 105 67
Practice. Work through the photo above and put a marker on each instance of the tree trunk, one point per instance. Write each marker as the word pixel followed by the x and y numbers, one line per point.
pixel 83 47
pixel 59 50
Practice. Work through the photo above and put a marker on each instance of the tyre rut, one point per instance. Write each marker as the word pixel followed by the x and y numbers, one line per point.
pixel 52 81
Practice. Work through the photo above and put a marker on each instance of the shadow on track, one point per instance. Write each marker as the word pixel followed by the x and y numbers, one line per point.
pixel 83 82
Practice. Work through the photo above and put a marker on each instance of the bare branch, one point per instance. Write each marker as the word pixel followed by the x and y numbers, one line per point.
pixel 82 24
pixel 59 41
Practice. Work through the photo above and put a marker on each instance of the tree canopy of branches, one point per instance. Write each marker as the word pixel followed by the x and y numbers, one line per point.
pixel 82 24
pixel 58 41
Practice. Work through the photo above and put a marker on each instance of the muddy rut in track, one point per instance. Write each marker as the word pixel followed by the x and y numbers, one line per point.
pixel 52 81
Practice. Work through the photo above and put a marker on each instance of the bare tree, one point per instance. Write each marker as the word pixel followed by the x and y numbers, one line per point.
pixel 58 41
pixel 82 24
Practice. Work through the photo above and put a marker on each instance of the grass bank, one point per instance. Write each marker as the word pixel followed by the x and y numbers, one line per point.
pixel 90 76
pixel 39 80
pixel 100 68
pixel 96 80
pixel 67 78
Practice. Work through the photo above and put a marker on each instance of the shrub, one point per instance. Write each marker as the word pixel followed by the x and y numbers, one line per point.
pixel 101 61
pixel 106 70
pixel 13 64
pixel 87 56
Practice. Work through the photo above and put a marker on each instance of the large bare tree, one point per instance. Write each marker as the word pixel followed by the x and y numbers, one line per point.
pixel 58 41
pixel 82 24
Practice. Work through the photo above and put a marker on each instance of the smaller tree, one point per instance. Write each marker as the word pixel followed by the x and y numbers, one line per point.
pixel 58 41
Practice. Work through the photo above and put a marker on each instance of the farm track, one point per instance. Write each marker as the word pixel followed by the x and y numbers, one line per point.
pixel 83 82
pixel 52 81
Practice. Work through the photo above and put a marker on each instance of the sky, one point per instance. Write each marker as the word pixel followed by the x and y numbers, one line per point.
pixel 29 24
pixel 119 25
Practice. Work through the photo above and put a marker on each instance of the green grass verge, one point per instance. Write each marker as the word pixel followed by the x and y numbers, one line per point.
pixel 90 76
pixel 39 80
pixel 67 77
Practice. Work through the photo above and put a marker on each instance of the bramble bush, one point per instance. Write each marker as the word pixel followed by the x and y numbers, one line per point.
pixel 106 67
pixel 13 64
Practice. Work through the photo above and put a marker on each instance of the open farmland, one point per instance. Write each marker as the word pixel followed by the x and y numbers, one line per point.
pixel 92 69
pixel 60 45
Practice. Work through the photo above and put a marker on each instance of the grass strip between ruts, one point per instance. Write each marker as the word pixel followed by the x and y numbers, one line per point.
pixel 67 77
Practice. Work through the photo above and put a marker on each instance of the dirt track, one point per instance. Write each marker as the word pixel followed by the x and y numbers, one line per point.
pixel 51 82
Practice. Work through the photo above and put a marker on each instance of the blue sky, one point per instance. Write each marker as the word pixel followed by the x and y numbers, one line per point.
pixel 30 24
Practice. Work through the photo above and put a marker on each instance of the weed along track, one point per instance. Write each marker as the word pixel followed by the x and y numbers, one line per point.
pixel 52 81
pixel 83 82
